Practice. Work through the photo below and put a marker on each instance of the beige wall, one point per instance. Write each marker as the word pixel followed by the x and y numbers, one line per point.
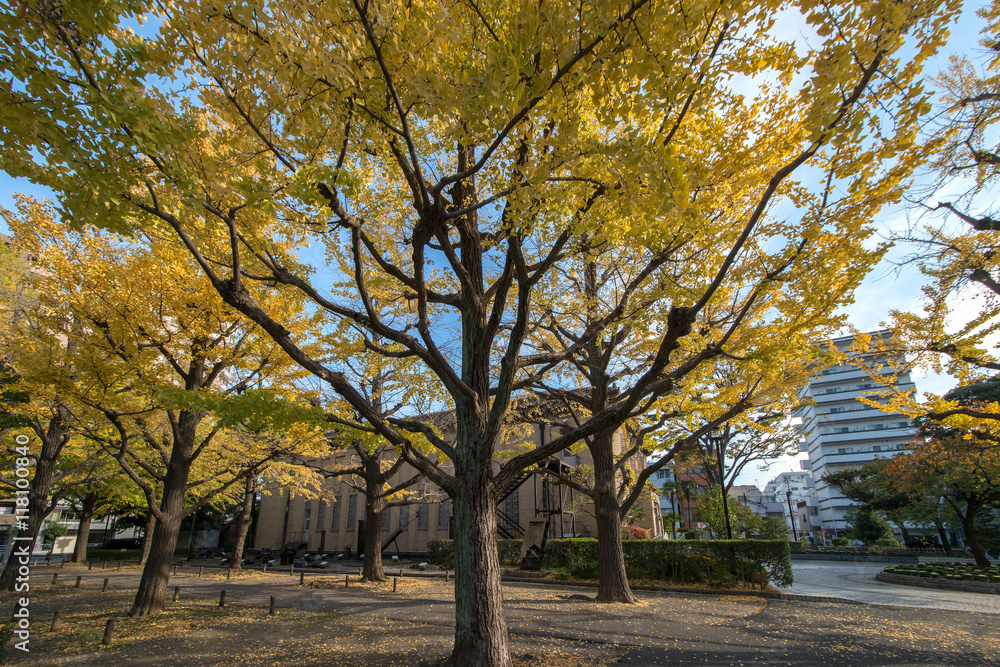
pixel 534 493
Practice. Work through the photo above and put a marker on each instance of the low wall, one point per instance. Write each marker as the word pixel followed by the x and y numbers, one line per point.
pixel 866 558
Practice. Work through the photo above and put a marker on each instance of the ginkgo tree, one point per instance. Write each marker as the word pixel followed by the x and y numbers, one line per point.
pixel 149 351
pixel 37 418
pixel 622 290
pixel 955 238
pixel 449 155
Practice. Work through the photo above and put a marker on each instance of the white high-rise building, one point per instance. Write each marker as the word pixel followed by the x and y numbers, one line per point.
pixel 840 431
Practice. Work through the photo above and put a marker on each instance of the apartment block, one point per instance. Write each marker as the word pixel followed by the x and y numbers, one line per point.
pixel 840 431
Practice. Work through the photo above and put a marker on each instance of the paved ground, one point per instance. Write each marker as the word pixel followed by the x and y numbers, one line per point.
pixel 665 628
pixel 856 581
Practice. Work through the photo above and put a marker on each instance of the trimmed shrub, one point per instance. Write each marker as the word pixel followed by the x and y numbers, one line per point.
pixel 96 553
pixel 443 551
pixel 509 552
pixel 714 562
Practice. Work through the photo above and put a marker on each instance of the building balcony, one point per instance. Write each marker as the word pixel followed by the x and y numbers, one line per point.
pixel 893 434
pixel 848 395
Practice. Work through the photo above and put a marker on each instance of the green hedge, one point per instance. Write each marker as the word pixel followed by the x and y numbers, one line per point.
pixel 715 562
pixel 443 551
pixel 96 553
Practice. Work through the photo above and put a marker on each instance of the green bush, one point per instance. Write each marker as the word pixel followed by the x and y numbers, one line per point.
pixel 714 562
pixel 775 528
pixel 443 551
pixel 98 554
pixel 510 552
pixel 840 541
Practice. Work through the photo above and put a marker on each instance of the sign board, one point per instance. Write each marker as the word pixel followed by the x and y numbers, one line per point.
pixel 533 544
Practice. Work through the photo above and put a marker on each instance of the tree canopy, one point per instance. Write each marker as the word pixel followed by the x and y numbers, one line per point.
pixel 447 156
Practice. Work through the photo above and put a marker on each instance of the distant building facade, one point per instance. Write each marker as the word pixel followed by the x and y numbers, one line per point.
pixel 332 519
pixel 783 494
pixel 840 431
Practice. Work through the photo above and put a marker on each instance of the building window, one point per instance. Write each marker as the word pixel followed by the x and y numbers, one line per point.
pixel 443 511
pixel 512 509
pixel 352 511
pixel 845 450
pixel 386 518
pixel 422 512
pixel 404 516
pixel 305 520
pixel 321 516
pixel 335 513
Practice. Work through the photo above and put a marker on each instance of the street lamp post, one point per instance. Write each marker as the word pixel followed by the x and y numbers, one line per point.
pixel 715 435
pixel 791 515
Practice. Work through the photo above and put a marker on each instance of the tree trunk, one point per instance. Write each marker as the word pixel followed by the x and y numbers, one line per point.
pixel 236 561
pixel 83 528
pixel 147 538
pixel 613 583
pixel 971 539
pixel 38 506
pixel 151 596
pixel 944 538
pixel 481 637
pixel 371 569
pixel 19 552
